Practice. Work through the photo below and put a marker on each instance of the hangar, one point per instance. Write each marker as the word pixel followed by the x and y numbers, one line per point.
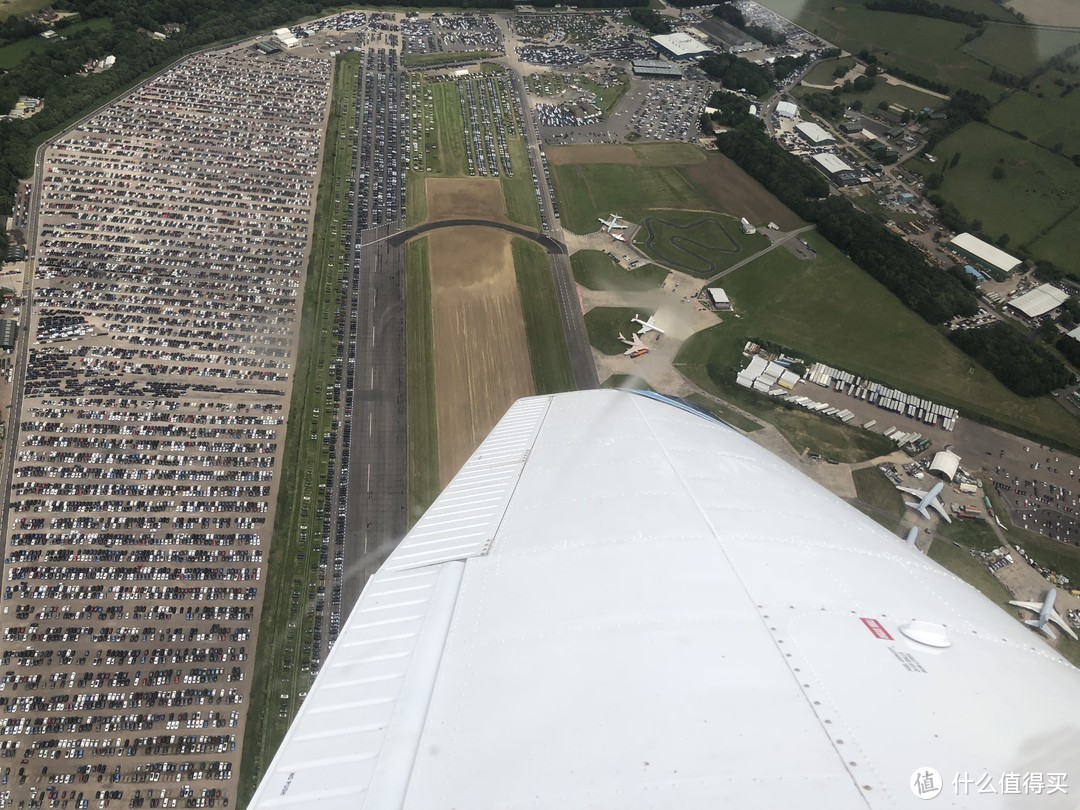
pixel 977 249
pixel 679 46
pixel 836 169
pixel 656 68
pixel 1044 298
pixel 945 465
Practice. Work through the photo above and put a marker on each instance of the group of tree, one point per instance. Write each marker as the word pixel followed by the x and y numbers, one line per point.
pixel 925 8
pixel 1025 367
pixel 1070 348
pixel 827 105
pixel 737 73
pixel 962 108
pixel 732 110
pixel 730 14
pixel 914 78
pixel 651 20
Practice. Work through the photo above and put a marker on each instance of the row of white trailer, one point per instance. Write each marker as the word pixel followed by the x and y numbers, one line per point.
pixel 890 399
pixel 824 408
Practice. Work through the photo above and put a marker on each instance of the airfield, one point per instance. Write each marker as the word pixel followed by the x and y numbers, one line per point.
pixel 250 423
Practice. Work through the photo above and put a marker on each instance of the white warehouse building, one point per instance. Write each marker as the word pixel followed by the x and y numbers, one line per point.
pixel 975 248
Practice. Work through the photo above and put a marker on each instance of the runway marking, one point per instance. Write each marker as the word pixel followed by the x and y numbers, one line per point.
pixel 369 477
pixel 373 336
pixel 370 422
pixel 371 385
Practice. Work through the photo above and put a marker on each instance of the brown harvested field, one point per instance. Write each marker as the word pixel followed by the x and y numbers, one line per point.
pixel 481 355
pixel 736 191
pixel 585 153
pixel 464 198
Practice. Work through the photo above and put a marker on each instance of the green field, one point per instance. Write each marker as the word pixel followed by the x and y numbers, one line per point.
pixel 822 72
pixel 444 58
pixel 1038 189
pixel 724 413
pixel 696 243
pixel 604 324
pixel 423 447
pixel 606 97
pixel 908 97
pixel 11 55
pixel 286 625
pixel 924 46
pixel 1059 243
pixel 878 493
pixel 970 535
pixel 598 271
pixel 445 149
pixel 1052 121
pixel 519 194
pixel 829 309
pixel 548 353
pixel 1020 50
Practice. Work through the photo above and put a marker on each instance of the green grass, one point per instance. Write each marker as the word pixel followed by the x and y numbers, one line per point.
pixel 11 55
pixel 1058 244
pixel 1020 50
pixel 598 271
pixel 878 492
pixel 961 562
pixel 449 156
pixel 924 46
pixel 548 354
pixel 423 447
pixel 606 97
pixel 1048 121
pixel 604 324
pixel 829 309
pixel 908 97
pixel 416 196
pixel 724 413
pixel 588 191
pixel 822 72
pixel 1038 189
pixel 416 60
pixel 722 241
pixel 285 627
pixel 626 381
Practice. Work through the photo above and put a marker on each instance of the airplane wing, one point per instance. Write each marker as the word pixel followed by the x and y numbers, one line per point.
pixel 918 493
pixel 555 633
pixel 1060 621
pixel 939 507
pixel 1032 606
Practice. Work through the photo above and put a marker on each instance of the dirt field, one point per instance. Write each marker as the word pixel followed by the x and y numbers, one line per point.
pixel 465 198
pixel 1048 12
pixel 736 191
pixel 481 355
pixel 588 153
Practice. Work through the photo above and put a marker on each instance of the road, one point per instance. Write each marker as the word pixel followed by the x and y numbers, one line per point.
pixel 784 237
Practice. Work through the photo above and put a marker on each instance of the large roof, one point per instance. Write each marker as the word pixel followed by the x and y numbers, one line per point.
pixel 814 133
pixel 984 251
pixel 831 163
pixel 679 44
pixel 1043 299
pixel 618 602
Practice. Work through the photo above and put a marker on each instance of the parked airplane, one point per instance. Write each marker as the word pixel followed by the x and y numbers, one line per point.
pixel 930 499
pixel 618 237
pixel 1047 614
pixel 637 348
pixel 612 223
pixel 912 535
pixel 647 326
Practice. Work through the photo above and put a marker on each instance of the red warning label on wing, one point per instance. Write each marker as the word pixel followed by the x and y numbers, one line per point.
pixel 875 627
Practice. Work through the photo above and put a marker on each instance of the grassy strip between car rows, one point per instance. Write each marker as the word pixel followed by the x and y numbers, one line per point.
pixel 286 624
pixel 427 60
pixel 423 447
pixel 548 353
pixel 519 193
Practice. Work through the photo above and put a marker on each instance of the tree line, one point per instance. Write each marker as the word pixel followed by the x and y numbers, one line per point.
pixel 925 8
pixel 763 34
pixel 934 295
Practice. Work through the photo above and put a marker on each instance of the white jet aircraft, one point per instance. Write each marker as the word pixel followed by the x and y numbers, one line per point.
pixel 647 326
pixel 637 347
pixel 1047 614
pixel 612 223
pixel 618 237
pixel 930 499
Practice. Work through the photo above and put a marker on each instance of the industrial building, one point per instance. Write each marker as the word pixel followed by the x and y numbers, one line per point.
pixel 679 47
pixel 285 38
pixel 835 169
pixel 814 134
pixel 1044 298
pixel 719 299
pixel 787 109
pixel 980 251
pixel 8 330
pixel 656 69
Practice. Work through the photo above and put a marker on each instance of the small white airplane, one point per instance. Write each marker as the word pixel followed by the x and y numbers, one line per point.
pixel 612 223
pixel 637 348
pixel 647 326
pixel 618 237
pixel 929 499
pixel 1047 614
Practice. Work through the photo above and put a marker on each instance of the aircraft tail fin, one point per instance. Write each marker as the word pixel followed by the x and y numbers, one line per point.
pixel 1044 627
pixel 918 507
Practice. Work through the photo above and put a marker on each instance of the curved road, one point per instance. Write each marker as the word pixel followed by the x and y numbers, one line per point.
pixel 552 246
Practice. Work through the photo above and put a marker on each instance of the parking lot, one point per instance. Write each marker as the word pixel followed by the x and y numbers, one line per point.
pixel 172 241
